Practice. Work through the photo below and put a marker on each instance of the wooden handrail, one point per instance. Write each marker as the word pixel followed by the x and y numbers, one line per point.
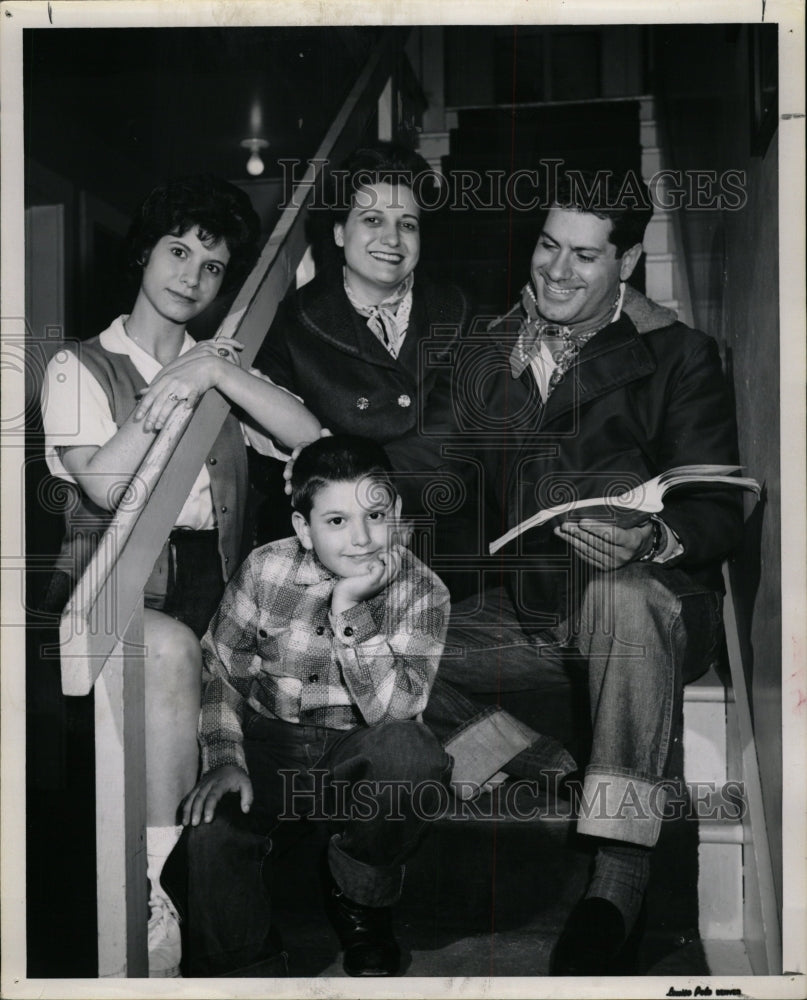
pixel 102 628
pixel 111 587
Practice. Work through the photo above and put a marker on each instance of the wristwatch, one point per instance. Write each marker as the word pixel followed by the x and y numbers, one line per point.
pixel 657 544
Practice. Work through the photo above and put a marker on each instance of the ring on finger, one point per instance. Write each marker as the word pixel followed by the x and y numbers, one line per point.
pixel 173 395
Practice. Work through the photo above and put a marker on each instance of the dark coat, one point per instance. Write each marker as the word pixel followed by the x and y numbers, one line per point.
pixel 631 407
pixel 320 348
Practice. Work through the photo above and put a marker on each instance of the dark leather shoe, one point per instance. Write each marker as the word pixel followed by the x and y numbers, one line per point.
pixel 365 932
pixel 595 941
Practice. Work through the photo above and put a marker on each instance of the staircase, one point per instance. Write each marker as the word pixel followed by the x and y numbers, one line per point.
pixel 717 929
pixel 485 237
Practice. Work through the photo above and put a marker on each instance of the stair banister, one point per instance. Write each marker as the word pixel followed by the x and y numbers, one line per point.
pixel 101 630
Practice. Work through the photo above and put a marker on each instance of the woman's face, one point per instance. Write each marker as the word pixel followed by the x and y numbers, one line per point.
pixel 381 240
pixel 182 275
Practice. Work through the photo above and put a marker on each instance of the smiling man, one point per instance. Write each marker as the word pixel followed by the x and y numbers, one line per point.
pixel 590 389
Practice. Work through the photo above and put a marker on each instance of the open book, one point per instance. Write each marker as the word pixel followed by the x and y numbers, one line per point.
pixel 644 499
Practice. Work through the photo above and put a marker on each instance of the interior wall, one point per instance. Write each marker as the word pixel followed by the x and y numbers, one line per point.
pixel 534 63
pixel 733 266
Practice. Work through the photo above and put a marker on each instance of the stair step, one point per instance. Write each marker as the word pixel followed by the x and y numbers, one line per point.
pixel 659 277
pixel 721 831
pixel 709 687
pixel 658 237
pixel 648 132
pixel 720 887
pixel 551 117
pixel 651 160
pixel 490 154
pixel 727 957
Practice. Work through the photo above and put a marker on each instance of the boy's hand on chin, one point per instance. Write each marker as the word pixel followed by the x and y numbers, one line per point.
pixel 352 590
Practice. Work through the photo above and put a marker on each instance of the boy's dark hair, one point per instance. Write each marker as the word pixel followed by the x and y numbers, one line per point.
pixel 381 163
pixel 620 196
pixel 343 458
pixel 218 210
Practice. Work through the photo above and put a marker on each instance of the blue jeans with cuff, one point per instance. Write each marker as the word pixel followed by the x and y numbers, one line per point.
pixel 373 786
pixel 642 631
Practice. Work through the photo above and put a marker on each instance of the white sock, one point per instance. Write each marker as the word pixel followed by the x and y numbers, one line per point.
pixel 160 841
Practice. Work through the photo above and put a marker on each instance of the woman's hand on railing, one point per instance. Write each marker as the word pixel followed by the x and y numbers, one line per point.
pixel 184 381
pixel 324 433
pixel 200 803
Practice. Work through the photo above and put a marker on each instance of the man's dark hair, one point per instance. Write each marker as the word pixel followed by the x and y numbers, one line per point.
pixel 620 196
pixel 343 458
pixel 216 209
pixel 381 163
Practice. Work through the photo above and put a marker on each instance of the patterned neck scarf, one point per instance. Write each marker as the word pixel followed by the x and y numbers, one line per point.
pixel 564 342
pixel 389 320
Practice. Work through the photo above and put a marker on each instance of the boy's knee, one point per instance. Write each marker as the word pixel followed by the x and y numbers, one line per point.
pixel 209 841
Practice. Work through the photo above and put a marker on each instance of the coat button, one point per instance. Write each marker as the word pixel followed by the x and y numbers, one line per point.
pixel 348 631
pixel 313 678
pixel 224 509
pixel 320 630
pixel 362 403
pixel 404 400
pixel 212 461
pixel 262 633
pixel 226 559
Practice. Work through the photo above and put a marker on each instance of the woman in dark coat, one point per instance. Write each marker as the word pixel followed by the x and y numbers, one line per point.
pixel 367 343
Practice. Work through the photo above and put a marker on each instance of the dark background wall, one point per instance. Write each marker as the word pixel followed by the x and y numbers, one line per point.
pixel 111 112
pixel 733 266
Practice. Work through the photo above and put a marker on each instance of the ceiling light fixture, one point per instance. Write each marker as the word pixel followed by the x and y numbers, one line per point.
pixel 255 165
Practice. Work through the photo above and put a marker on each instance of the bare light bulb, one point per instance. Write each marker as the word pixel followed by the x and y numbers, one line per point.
pixel 255 165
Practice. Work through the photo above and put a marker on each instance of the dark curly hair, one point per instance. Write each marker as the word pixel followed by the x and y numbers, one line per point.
pixel 218 210
pixel 621 196
pixel 381 163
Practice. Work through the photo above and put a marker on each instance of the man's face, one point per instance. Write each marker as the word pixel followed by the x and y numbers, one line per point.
pixel 350 525
pixel 575 269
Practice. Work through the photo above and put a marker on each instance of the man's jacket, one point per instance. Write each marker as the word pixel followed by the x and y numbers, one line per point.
pixel 632 406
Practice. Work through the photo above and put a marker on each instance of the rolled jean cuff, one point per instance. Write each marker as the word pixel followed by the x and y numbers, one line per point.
pixel 621 807
pixel 482 746
pixel 543 757
pixel 370 885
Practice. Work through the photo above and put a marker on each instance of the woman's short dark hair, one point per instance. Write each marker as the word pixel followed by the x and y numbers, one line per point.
pixel 381 163
pixel 342 458
pixel 219 211
pixel 620 196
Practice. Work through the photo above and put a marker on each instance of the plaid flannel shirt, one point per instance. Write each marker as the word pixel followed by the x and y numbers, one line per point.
pixel 274 646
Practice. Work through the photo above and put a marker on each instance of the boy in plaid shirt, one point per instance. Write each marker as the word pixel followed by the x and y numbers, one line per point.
pixel 321 656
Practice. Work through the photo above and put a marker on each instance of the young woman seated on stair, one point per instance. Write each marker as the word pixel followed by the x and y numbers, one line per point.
pixel 104 401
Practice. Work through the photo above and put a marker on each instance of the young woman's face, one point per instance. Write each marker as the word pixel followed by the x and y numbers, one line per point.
pixel 182 275
pixel 381 240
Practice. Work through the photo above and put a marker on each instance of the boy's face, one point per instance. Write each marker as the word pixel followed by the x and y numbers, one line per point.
pixel 350 524
pixel 182 275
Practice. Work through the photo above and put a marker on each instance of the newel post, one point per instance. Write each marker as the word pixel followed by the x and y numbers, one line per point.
pixel 120 797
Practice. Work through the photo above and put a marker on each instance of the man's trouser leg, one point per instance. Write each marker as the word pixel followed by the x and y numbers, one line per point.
pixel 645 632
pixel 487 652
